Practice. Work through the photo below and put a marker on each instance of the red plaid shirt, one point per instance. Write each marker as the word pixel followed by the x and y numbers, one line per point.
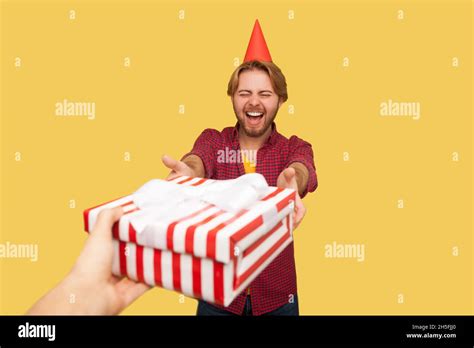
pixel 277 283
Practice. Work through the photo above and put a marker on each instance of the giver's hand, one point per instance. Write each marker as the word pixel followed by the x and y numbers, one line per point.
pixel 94 265
pixel 178 168
pixel 287 179
pixel 90 288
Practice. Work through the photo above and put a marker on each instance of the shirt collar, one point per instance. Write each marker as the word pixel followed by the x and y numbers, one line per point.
pixel 271 140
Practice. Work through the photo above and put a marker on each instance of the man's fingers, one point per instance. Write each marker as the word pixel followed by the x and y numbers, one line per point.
pixel 106 220
pixel 289 174
pixel 173 164
pixel 299 214
pixel 296 219
pixel 287 179
pixel 169 162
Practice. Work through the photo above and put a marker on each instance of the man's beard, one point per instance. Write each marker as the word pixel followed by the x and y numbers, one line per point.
pixel 256 133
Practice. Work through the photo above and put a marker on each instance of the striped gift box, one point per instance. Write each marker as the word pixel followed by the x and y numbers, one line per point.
pixel 207 253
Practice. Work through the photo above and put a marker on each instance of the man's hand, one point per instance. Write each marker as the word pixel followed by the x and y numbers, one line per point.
pixel 178 168
pixel 287 179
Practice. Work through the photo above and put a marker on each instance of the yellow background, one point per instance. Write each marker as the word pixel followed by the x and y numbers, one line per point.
pixel 188 62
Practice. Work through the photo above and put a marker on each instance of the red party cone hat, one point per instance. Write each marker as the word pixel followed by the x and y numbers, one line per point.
pixel 257 48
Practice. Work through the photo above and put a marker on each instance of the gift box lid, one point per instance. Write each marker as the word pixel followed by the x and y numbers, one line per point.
pixel 216 219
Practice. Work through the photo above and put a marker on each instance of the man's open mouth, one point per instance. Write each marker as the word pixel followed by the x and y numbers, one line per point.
pixel 254 117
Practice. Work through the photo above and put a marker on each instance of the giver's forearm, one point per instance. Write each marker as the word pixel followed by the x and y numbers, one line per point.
pixel 302 176
pixel 59 300
pixel 195 163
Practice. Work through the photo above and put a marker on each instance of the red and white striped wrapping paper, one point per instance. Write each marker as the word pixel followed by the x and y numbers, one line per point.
pixel 208 253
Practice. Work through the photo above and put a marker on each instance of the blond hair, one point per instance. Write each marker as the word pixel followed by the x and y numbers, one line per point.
pixel 274 73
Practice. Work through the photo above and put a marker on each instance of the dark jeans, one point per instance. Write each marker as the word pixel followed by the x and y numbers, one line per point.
pixel 205 308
